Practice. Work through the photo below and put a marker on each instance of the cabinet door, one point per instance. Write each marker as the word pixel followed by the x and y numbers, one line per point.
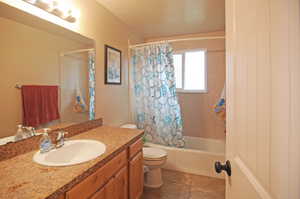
pixel 91 184
pixel 99 194
pixel 136 177
pixel 121 184
pixel 107 192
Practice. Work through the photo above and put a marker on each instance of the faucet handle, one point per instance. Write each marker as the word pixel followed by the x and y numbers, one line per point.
pixel 66 133
pixel 61 135
pixel 60 139
pixel 33 131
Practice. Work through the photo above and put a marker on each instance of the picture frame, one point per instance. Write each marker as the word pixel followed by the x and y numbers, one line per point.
pixel 113 65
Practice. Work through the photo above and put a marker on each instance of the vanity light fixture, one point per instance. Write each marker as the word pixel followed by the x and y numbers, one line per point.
pixel 57 8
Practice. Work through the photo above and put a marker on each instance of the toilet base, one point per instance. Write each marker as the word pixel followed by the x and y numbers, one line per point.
pixel 153 178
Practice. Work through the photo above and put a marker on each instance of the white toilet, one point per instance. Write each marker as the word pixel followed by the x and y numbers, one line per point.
pixel 154 159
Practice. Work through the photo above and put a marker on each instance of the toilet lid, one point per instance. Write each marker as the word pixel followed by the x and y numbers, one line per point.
pixel 153 153
pixel 129 126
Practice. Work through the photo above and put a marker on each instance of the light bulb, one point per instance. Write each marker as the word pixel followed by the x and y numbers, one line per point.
pixel 45 4
pixel 73 15
pixel 31 1
pixel 60 9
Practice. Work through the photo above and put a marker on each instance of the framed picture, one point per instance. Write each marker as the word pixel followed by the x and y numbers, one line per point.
pixel 113 65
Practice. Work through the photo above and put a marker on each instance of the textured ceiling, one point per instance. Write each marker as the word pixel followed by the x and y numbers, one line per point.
pixel 157 18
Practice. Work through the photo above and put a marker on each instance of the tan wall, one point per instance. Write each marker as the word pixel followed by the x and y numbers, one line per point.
pixel 100 25
pixel 197 109
pixel 27 56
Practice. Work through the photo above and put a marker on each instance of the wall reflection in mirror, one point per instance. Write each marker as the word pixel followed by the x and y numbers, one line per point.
pixel 46 80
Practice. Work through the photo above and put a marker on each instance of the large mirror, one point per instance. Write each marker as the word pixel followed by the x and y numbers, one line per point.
pixel 41 69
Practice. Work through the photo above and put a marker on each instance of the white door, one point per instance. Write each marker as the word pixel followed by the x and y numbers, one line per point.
pixel 263 97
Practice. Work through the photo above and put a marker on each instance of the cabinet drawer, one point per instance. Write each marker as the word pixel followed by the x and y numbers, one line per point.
pixel 92 183
pixel 135 148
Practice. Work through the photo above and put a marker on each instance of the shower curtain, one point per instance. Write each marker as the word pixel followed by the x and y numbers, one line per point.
pixel 92 83
pixel 156 106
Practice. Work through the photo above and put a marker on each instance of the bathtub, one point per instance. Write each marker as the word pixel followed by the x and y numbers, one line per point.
pixel 198 156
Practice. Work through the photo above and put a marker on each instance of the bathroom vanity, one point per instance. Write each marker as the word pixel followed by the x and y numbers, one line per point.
pixel 122 174
pixel 116 174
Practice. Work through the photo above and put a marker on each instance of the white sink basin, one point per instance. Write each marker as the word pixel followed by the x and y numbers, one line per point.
pixel 73 152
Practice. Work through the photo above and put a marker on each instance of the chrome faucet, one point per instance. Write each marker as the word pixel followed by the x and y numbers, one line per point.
pixel 60 139
pixel 29 131
pixel 33 131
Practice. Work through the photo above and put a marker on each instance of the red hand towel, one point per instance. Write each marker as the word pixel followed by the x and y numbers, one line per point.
pixel 40 105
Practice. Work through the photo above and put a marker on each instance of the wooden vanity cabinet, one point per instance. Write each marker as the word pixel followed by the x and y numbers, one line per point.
pixel 136 170
pixel 136 177
pixel 119 178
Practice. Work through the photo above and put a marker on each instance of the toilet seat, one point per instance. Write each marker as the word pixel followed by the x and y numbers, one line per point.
pixel 151 153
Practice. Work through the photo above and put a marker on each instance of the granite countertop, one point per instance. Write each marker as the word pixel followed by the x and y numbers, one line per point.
pixel 21 178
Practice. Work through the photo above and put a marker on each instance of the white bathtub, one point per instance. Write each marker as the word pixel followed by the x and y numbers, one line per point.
pixel 198 156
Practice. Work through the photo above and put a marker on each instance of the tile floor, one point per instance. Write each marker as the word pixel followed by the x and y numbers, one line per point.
pixel 179 185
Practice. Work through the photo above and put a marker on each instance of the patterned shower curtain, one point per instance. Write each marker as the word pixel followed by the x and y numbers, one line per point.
pixel 156 105
pixel 92 83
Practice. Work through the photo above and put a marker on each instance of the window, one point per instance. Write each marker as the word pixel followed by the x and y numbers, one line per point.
pixel 190 71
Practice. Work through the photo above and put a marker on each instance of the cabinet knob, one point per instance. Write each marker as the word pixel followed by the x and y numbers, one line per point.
pixel 223 167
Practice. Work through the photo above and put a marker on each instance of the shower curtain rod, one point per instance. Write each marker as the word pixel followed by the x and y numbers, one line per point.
pixel 76 51
pixel 177 40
